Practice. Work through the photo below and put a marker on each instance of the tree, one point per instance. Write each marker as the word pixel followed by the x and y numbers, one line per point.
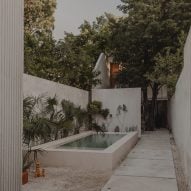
pixel 80 52
pixel 149 29
pixel 71 54
pixel 39 47
pixel 46 58
pixel 96 36
pixel 168 68
pixel 38 15
pixel 40 59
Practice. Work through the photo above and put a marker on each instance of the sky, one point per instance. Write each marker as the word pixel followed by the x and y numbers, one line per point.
pixel 70 14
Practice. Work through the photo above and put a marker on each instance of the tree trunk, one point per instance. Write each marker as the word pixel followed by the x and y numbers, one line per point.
pixel 89 114
pixel 145 110
pixel 153 106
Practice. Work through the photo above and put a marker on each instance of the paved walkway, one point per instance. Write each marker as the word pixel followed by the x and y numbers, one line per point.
pixel 148 167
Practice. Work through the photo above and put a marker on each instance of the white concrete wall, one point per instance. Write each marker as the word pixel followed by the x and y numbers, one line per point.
pixel 112 98
pixel 34 86
pixel 162 95
pixel 11 69
pixel 180 111
pixel 103 67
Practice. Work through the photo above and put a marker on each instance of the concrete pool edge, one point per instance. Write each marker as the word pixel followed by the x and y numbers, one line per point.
pixel 107 159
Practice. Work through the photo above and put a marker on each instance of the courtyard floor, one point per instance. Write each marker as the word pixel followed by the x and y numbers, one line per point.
pixel 149 166
pixel 67 179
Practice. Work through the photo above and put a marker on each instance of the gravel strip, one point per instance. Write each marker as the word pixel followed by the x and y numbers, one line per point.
pixel 67 179
pixel 180 176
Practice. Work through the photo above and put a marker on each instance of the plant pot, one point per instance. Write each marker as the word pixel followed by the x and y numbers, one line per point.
pixel 25 177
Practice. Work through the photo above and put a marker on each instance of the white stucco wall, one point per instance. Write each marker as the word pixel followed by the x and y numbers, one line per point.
pixel 180 111
pixel 112 98
pixel 34 86
pixel 162 94
pixel 102 66
pixel 11 69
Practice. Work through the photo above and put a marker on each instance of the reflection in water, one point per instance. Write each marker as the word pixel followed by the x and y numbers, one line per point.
pixel 96 141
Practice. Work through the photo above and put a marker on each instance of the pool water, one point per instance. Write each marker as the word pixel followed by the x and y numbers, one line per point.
pixel 95 141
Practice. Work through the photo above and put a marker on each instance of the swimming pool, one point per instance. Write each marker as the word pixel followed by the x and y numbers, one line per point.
pixel 95 142
pixel 88 150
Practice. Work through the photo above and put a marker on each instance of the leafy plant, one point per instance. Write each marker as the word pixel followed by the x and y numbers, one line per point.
pixel 95 107
pixel 96 110
pixel 98 128
pixel 105 113
pixel 81 119
pixel 26 161
pixel 131 129
pixel 117 129
pixel 27 158
pixel 45 119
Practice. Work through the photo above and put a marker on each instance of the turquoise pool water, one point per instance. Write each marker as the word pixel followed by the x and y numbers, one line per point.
pixel 95 142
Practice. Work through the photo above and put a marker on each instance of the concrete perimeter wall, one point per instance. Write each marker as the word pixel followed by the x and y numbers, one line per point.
pixel 112 99
pixel 180 111
pixel 34 86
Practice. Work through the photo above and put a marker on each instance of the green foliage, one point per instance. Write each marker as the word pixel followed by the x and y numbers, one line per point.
pixel 121 108
pixel 40 57
pixel 149 29
pixel 46 58
pixel 95 109
pixel 98 128
pixel 68 109
pixel 45 119
pixel 38 15
pixel 96 36
pixel 81 119
pixel 117 129
pixel 168 67
pixel 105 113
pixel 72 53
pixel 27 158
pixel 147 41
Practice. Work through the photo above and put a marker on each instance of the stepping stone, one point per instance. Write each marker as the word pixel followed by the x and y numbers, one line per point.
pixel 147 168
pixel 151 154
pixel 128 183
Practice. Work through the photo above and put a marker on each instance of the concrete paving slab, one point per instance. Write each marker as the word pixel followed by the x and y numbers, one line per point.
pixel 128 183
pixel 148 168
pixel 153 146
pixel 154 143
pixel 151 154
pixel 166 140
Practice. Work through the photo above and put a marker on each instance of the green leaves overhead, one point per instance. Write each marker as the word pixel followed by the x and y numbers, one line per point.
pixel 69 61
pixel 38 15
pixel 150 28
pixel 149 31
